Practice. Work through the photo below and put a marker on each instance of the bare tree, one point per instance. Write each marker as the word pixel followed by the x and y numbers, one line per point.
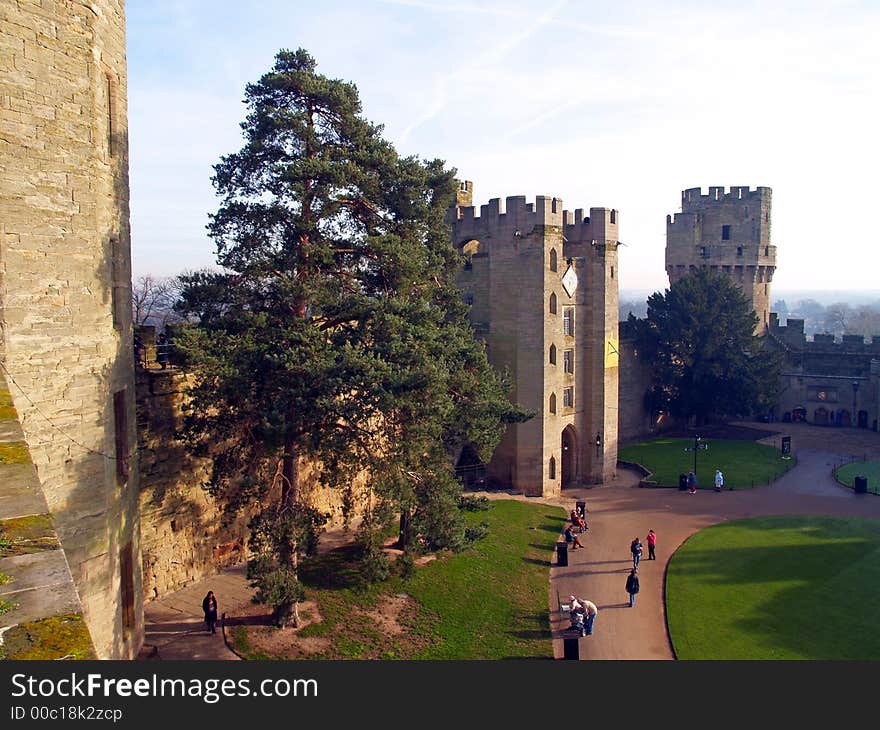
pixel 152 300
pixel 837 318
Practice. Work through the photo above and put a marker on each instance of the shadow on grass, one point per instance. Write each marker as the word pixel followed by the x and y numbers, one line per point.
pixel 334 570
pixel 802 573
pixel 535 561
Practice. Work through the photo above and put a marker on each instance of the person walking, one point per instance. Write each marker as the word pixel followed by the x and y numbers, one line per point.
pixel 635 548
pixel 692 482
pixel 209 606
pixel 651 539
pixel 632 586
pixel 590 611
pixel 719 480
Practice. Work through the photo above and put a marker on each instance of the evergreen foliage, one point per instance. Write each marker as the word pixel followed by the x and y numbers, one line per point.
pixel 334 332
pixel 706 360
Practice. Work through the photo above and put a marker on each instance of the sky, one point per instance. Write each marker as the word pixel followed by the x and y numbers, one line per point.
pixel 619 105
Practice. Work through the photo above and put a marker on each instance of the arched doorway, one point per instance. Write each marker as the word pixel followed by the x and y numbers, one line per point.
pixel 799 414
pixel 569 457
pixel 820 417
pixel 863 419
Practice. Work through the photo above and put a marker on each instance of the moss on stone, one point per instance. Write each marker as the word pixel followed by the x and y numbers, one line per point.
pixel 7 409
pixel 4 579
pixel 58 637
pixel 14 452
pixel 6 606
pixel 24 535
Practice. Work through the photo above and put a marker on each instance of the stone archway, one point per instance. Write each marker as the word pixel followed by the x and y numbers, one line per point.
pixel 569 457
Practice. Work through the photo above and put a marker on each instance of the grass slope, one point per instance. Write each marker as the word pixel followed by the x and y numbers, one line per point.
pixel 799 587
pixel 743 463
pixel 488 602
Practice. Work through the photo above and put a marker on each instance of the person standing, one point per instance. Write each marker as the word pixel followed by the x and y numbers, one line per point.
pixel 719 480
pixel 636 550
pixel 692 482
pixel 632 586
pixel 591 611
pixel 651 539
pixel 209 606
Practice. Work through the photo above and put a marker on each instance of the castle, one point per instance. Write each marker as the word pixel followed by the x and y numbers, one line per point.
pixel 728 232
pixel 542 287
pixel 66 323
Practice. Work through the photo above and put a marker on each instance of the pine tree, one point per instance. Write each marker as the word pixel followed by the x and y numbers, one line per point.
pixel 334 332
pixel 706 360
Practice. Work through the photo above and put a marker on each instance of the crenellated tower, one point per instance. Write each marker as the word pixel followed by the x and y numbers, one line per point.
pixel 729 232
pixel 542 286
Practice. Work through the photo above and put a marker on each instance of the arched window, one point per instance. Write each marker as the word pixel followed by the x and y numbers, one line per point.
pixel 553 263
pixel 552 304
pixel 553 467
pixel 553 403
pixel 552 354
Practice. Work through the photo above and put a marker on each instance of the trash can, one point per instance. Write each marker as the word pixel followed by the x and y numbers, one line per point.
pixel 562 554
pixel 570 646
pixel 860 484
pixel 581 507
pixel 683 482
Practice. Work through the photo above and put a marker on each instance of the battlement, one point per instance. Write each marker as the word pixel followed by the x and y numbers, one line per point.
pixel 693 198
pixel 516 218
pixel 792 334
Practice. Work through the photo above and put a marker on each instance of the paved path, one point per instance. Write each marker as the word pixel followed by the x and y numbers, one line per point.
pixel 620 511
pixel 175 626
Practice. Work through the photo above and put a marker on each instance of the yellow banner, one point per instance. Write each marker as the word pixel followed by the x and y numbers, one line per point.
pixel 612 356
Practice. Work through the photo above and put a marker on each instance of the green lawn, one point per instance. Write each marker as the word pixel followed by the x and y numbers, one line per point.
pixel 488 602
pixel 869 469
pixel 743 463
pixel 798 587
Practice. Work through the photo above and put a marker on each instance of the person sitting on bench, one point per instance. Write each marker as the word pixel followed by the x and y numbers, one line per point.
pixel 572 539
pixel 578 521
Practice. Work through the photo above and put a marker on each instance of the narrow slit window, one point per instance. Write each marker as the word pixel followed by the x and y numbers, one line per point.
pixel 568 361
pixel 126 580
pixel 725 233
pixel 553 467
pixel 553 304
pixel 568 321
pixel 552 354
pixel 111 114
pixel 553 260
pixel 553 403
pixel 568 398
pixel 120 424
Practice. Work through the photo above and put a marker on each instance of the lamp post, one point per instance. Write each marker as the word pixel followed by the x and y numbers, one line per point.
pixel 598 444
pixel 855 412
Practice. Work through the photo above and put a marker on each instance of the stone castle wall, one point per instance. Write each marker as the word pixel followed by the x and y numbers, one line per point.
pixel 65 266
pixel 185 535
pixel 728 232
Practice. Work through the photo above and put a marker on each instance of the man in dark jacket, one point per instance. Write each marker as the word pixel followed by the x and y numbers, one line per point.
pixel 632 586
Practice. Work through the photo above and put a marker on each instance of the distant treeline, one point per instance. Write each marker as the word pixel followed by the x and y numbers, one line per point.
pixel 840 318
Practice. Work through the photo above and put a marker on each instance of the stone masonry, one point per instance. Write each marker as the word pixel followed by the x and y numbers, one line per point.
pixel 730 233
pixel 65 292
pixel 543 289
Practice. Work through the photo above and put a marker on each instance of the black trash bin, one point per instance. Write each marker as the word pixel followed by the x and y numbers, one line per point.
pixel 562 554
pixel 683 482
pixel 570 646
pixel 860 484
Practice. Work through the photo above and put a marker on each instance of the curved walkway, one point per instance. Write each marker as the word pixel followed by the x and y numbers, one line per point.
pixel 620 511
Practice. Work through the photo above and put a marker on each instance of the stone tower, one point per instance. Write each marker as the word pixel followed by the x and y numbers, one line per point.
pixel 542 285
pixel 65 293
pixel 729 233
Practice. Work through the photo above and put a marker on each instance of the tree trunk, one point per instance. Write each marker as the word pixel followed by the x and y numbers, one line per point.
pixel 404 538
pixel 289 494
